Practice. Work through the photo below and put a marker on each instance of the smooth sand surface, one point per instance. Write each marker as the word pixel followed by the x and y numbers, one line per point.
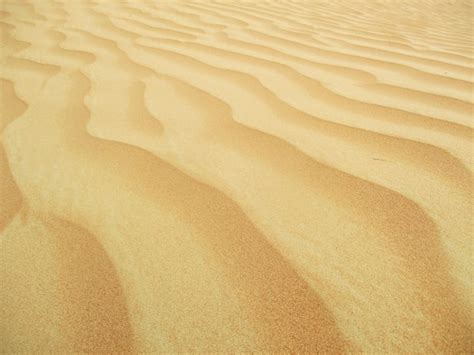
pixel 229 176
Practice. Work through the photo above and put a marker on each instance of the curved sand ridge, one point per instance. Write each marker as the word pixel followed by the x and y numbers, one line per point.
pixel 236 176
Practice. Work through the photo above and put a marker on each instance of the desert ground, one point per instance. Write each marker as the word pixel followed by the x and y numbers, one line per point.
pixel 236 176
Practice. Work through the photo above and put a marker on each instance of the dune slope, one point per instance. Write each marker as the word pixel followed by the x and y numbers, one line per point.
pixel 227 176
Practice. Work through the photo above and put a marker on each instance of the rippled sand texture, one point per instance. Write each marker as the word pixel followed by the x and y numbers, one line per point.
pixel 236 176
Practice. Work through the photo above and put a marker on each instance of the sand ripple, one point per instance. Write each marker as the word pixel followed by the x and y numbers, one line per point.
pixel 235 176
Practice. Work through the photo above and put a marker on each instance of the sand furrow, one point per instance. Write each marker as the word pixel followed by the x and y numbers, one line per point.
pixel 386 72
pixel 149 20
pixel 299 341
pixel 149 31
pixel 312 69
pixel 10 108
pixel 227 21
pixel 453 71
pixel 246 136
pixel 236 176
pixel 464 71
pixel 312 26
pixel 194 19
pixel 334 77
pixel 328 21
pixel 340 21
pixel 201 237
pixel 62 280
pixel 462 177
pixel 241 79
pixel 443 58
pixel 270 20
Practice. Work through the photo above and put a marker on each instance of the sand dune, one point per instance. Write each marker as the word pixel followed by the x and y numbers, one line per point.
pixel 215 176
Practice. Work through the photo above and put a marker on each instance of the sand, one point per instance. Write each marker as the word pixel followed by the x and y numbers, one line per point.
pixel 230 176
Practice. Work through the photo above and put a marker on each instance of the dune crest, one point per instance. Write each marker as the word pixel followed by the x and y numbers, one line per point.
pixel 228 176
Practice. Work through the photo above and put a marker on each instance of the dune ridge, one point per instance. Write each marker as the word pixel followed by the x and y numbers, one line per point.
pixel 227 176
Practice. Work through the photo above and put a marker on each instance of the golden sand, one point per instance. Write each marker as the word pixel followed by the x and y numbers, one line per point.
pixel 228 176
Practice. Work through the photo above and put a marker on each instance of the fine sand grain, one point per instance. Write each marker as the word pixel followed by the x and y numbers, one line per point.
pixel 230 176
